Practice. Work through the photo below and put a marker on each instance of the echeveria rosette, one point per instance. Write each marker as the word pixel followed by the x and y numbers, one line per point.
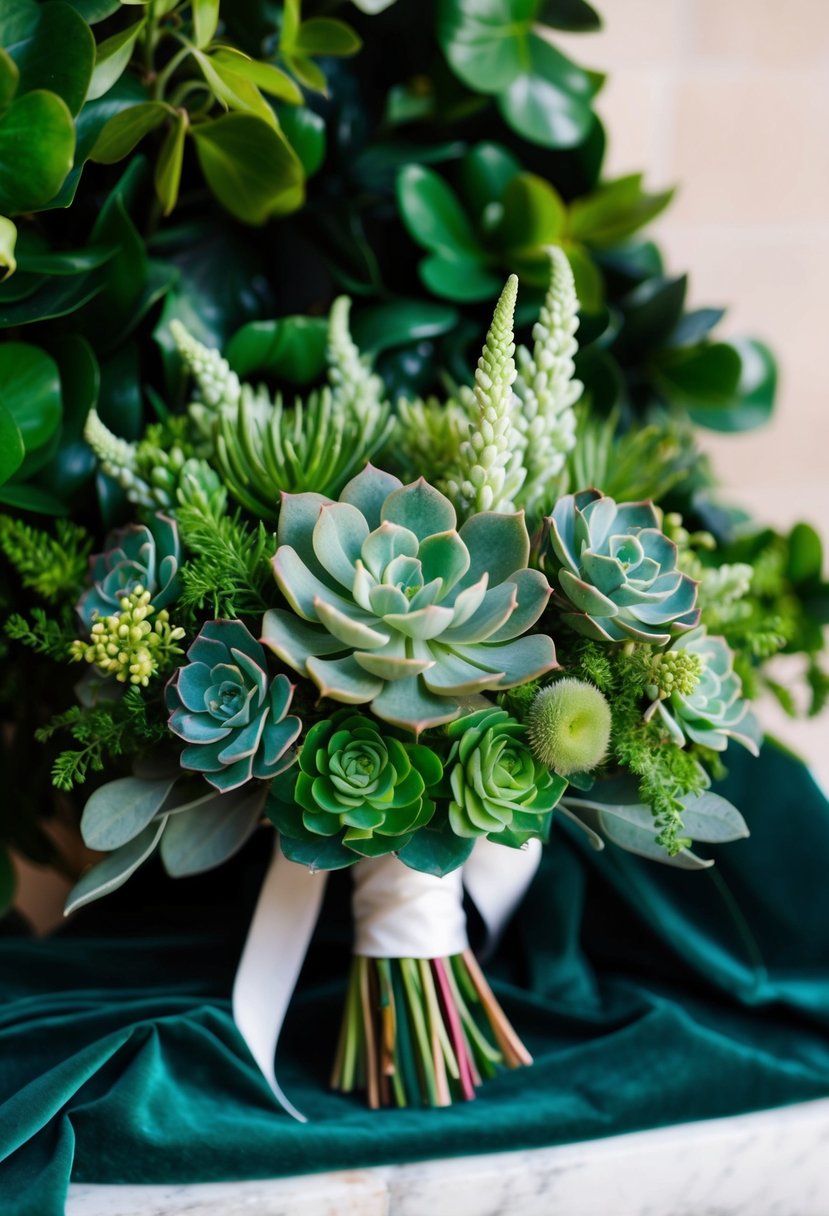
pixel 358 782
pixel 397 609
pixel 615 570
pixel 228 710
pixel 714 710
pixel 136 556
pixel 498 788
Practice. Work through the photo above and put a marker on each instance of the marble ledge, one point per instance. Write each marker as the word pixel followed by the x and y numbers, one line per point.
pixel 772 1163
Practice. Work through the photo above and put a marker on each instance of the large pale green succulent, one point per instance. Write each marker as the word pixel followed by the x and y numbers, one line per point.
pixel 394 608
pixel 136 556
pixel 357 781
pixel 703 702
pixel 498 788
pixel 614 570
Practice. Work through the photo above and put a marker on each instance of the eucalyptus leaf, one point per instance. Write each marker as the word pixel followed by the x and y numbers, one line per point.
pixel 111 873
pixel 120 810
pixel 251 168
pixel 204 836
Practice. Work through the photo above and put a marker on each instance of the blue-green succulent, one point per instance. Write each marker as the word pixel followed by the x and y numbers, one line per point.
pixel 614 570
pixel 697 694
pixel 138 556
pixel 229 712
pixel 395 608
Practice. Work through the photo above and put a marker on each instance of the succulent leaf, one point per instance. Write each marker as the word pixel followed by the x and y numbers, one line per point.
pixel 148 556
pixel 400 611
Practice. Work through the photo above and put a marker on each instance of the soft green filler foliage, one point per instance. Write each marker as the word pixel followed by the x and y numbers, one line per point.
pixel 393 607
pixel 227 570
pixel 498 787
pixel 427 438
pixel 547 389
pixel 568 726
pixel 490 470
pixel 360 784
pixel 54 566
pixel 614 570
pixel 230 713
pixel 708 708
pixel 145 556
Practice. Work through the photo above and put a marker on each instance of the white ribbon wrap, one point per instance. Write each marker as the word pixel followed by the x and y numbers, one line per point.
pixel 403 913
pixel 398 912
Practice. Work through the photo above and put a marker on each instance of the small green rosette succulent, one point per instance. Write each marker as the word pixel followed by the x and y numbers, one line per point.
pixel 615 572
pixel 709 709
pixel 362 783
pixel 229 712
pixel 396 608
pixel 498 788
pixel 136 556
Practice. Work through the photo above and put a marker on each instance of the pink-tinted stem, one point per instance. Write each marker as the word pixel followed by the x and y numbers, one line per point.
pixel 455 1030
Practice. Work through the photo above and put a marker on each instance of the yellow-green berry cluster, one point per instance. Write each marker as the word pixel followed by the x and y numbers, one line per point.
pixel 673 671
pixel 129 645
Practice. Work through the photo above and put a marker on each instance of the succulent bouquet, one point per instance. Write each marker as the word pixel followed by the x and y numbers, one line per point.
pixel 406 671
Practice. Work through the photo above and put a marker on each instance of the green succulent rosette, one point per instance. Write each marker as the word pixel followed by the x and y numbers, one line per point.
pixel 709 710
pixel 498 788
pixel 360 784
pixel 614 570
pixel 230 713
pixel 396 608
pixel 146 556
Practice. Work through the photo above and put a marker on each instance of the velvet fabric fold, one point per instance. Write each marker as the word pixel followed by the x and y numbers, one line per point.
pixel 647 996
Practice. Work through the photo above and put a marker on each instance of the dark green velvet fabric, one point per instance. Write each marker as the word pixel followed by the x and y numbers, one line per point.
pixel 641 996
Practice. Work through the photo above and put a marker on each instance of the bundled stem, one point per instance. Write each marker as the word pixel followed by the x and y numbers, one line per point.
pixel 421 1032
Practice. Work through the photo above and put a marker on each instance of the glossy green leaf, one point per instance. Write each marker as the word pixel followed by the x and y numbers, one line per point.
pixel 202 837
pixel 533 215
pixel 57 53
pixel 169 164
pixel 305 132
pixel 55 298
pixel 124 277
pixel 382 327
pixel 752 402
pixel 111 873
pixel 701 377
pixel 111 59
pixel 549 103
pixel 576 16
pixel 432 212
pixel 651 312
pixel 461 278
pixel 205 20
pixel 94 11
pixel 126 129
pixel 30 392
pixel 307 72
pixel 8 242
pixel 615 211
pixel 265 76
pixel 695 326
pixel 291 348
pixel 436 850
pixel 233 88
pixel 325 36
pixel 12 449
pixel 804 560
pixel 65 261
pixel 28 497
pixel 9 76
pixel 73 464
pixel 250 168
pixel 37 142
pixel 486 171
pixel 587 277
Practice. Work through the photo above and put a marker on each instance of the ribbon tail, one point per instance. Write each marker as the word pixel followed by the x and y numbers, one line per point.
pixel 274 951
pixel 496 879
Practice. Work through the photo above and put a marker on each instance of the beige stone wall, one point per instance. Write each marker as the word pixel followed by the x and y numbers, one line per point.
pixel 729 99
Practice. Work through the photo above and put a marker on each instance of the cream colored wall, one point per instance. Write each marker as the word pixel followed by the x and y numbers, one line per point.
pixel 729 99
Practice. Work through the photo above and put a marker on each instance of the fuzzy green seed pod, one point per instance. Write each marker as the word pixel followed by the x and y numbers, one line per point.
pixel 568 726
